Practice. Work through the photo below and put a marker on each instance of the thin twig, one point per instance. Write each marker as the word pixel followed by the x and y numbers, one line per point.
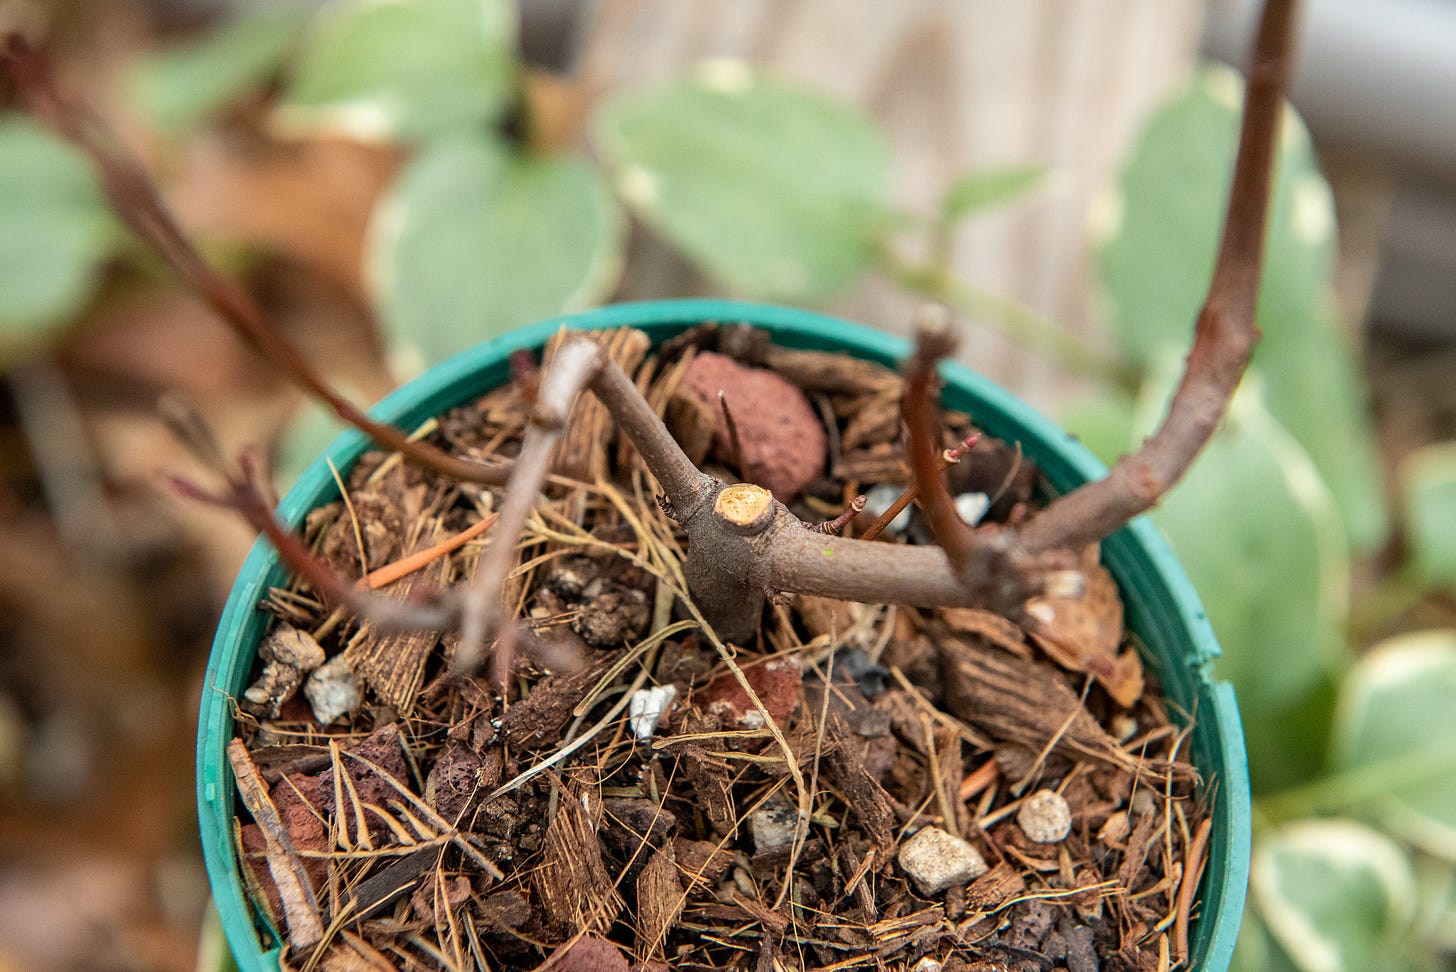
pixel 406 565
pixel 948 458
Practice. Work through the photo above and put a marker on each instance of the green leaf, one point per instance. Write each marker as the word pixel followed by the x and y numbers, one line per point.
pixel 1335 895
pixel 983 189
pixel 54 231
pixel 1396 712
pixel 1428 484
pixel 182 85
pixel 1158 241
pixel 1258 533
pixel 474 240
pixel 404 69
pixel 774 190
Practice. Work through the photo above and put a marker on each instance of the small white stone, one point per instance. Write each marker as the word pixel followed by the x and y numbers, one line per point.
pixel 972 506
pixel 927 964
pixel 880 498
pixel 1124 727
pixel 1045 817
pixel 647 707
pixel 935 860
pixel 773 825
pixel 1143 802
pixel 333 690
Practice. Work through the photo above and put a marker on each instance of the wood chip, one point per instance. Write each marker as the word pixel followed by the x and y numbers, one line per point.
pixel 392 664
pixel 300 907
pixel 582 452
pixel 867 799
pixel 660 900
pixel 574 887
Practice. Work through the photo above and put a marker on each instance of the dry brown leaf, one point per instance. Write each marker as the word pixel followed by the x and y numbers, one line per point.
pixel 1082 632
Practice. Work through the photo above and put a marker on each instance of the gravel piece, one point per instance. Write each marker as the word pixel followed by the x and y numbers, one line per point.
pixel 1045 817
pixel 935 860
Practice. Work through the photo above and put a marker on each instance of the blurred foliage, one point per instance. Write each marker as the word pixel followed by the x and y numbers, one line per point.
pixel 55 233
pixel 407 71
pixel 180 87
pixel 777 192
pixel 774 190
pixel 476 238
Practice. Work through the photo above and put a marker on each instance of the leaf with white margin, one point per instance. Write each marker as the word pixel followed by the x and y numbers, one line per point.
pixel 1157 240
pixel 475 239
pixel 1258 533
pixel 1336 895
pixel 403 69
pixel 773 189
pixel 1428 483
pixel 1396 710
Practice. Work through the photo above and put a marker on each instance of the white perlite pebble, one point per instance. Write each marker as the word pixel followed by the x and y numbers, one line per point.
pixel 1045 817
pixel 773 826
pixel 935 860
pixel 333 690
pixel 646 709
pixel 972 507
pixel 927 964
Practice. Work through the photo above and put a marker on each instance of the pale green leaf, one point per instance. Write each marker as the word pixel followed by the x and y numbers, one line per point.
pixel 1258 533
pixel 404 69
pixel 983 189
pixel 54 231
pixel 474 240
pixel 773 189
pixel 1158 236
pixel 1428 482
pixel 1335 895
pixel 1396 715
pixel 182 85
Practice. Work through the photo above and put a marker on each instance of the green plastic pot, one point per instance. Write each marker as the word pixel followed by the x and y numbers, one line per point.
pixel 1162 608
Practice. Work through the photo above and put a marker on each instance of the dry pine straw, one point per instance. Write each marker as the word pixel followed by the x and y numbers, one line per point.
pixel 442 825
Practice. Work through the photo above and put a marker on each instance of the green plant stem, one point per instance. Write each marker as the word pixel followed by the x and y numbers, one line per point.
pixel 1015 320
pixel 1351 787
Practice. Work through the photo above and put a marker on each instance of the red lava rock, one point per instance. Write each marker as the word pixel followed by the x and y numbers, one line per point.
pixel 383 748
pixel 784 446
pixel 778 683
pixel 588 954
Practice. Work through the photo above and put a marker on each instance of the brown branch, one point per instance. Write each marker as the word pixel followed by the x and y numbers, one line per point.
pixel 136 202
pixel 922 426
pixel 1225 335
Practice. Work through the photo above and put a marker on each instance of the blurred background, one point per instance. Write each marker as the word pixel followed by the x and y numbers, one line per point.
pixel 395 181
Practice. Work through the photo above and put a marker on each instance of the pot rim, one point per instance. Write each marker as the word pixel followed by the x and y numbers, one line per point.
pixel 1161 604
